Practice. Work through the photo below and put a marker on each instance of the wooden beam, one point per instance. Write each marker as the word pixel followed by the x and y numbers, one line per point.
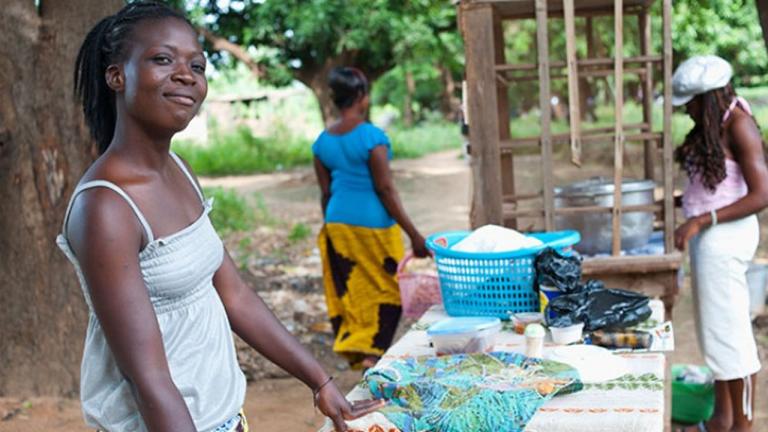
pixel 531 144
pixel 482 106
pixel 649 155
pixel 581 63
pixel 511 211
pixel 631 264
pixel 573 82
pixel 507 80
pixel 542 44
pixel 502 95
pixel 618 161
pixel 669 209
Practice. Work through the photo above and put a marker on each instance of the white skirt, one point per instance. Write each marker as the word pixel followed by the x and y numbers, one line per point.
pixel 720 256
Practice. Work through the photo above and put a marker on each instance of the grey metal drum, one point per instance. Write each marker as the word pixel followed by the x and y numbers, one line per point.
pixel 596 228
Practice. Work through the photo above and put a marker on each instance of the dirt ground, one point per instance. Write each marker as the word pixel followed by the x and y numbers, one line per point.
pixel 435 191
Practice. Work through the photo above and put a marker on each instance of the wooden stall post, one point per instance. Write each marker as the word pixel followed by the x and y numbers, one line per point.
pixel 644 22
pixel 502 96
pixel 573 81
pixel 482 104
pixel 542 46
pixel 618 162
pixel 669 209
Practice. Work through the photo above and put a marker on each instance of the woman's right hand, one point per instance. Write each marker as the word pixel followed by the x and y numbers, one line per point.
pixel 335 406
pixel 419 246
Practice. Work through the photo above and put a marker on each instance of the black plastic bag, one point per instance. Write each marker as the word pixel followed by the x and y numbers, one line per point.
pixel 558 271
pixel 607 309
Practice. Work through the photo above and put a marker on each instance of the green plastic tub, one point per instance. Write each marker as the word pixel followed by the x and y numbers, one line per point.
pixel 691 402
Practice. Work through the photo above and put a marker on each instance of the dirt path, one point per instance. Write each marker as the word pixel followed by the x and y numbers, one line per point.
pixel 435 191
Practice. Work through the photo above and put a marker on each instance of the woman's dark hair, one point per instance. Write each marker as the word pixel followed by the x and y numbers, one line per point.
pixel 701 152
pixel 104 45
pixel 348 85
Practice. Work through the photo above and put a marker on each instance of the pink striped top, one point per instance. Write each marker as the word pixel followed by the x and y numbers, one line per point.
pixel 697 199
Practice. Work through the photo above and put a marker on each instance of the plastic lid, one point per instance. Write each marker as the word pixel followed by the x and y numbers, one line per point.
pixel 462 325
pixel 534 330
pixel 528 317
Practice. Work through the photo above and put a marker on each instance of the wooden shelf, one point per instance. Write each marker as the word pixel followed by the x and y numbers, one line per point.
pixel 632 264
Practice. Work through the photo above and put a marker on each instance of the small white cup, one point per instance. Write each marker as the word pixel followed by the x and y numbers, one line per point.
pixel 567 335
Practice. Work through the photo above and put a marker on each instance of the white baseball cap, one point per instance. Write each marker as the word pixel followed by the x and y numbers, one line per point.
pixel 698 75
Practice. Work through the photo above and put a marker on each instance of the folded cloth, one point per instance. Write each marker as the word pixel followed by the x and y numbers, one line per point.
pixel 494 238
pixel 479 392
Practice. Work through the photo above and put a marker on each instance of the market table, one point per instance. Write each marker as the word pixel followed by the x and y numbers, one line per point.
pixel 631 403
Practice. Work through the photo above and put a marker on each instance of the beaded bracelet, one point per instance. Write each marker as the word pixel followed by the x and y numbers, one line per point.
pixel 316 392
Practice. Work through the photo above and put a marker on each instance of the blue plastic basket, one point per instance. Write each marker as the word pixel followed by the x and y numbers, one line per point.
pixel 491 284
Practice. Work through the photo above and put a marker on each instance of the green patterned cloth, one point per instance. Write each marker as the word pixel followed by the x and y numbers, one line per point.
pixel 491 392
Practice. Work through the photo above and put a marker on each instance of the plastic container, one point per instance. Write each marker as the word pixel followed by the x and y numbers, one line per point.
pixel 534 340
pixel 418 291
pixel 547 294
pixel 567 335
pixel 464 334
pixel 521 320
pixel 691 402
pixel 493 283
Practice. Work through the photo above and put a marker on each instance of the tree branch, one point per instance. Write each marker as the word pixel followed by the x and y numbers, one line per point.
pixel 221 44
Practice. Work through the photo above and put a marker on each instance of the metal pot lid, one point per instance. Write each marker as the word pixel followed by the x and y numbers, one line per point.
pixel 603 186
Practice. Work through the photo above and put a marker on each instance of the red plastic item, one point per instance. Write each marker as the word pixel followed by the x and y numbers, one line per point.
pixel 418 291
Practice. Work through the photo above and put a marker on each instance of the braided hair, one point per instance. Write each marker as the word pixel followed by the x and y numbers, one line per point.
pixel 105 45
pixel 701 153
pixel 348 85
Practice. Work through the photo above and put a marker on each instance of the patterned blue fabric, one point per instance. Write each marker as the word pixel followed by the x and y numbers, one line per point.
pixel 491 392
pixel 353 197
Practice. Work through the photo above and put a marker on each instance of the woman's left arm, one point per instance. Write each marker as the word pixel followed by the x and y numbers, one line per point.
pixel 747 147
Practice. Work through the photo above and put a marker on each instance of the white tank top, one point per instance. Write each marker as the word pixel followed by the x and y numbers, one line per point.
pixel 178 271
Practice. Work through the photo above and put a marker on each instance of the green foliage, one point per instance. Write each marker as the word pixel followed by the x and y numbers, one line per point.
pixel 728 28
pixel 299 231
pixel 294 38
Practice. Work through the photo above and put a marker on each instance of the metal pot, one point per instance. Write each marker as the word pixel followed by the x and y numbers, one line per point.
pixel 596 228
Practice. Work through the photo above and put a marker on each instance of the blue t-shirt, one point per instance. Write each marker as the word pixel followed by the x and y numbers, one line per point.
pixel 353 196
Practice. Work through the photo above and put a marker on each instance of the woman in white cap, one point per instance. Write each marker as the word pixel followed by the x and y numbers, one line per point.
pixel 728 184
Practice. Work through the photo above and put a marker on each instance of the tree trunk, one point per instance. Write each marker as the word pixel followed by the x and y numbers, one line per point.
pixel 316 78
pixel 44 148
pixel 762 12
pixel 449 103
pixel 410 90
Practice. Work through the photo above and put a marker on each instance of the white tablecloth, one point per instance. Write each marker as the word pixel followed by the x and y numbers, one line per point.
pixel 632 403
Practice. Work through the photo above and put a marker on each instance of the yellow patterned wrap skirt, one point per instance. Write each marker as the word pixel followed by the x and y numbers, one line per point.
pixel 361 291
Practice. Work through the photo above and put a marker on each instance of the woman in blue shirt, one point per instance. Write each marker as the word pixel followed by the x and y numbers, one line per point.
pixel 361 242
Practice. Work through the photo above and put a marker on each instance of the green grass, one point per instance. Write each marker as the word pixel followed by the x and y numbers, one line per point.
pixel 299 231
pixel 232 212
pixel 424 138
pixel 240 152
